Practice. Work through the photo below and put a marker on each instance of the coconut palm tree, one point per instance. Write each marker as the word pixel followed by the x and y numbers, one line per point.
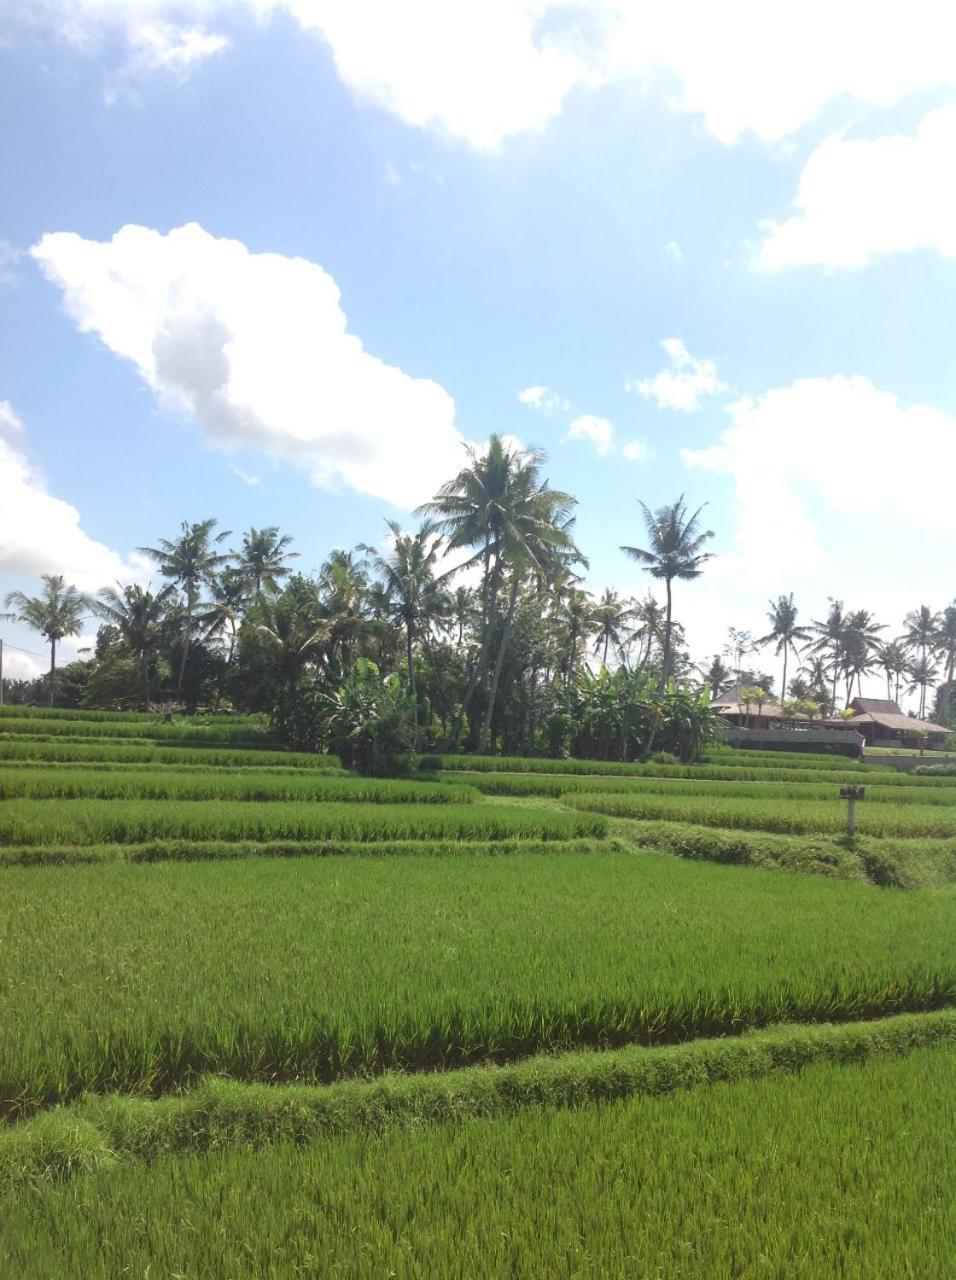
pixel 716 676
pixel 56 613
pixel 785 631
pixel 263 559
pixel 945 643
pixel 611 616
pixel 407 572
pixel 191 561
pixel 895 663
pixel 861 647
pixel 920 628
pixel 495 508
pixel 138 616
pixel 831 634
pixel 922 673
pixel 675 551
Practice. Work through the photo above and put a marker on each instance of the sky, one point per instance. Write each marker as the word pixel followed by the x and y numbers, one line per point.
pixel 280 261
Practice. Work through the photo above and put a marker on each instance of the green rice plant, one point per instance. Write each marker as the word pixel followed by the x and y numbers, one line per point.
pixel 124 717
pixel 531 784
pixel 888 862
pixel 25 748
pixel 144 979
pixel 537 764
pixel 244 785
pixel 187 733
pixel 220 1114
pixel 77 822
pixel 841 1170
pixel 794 816
pixel 220 850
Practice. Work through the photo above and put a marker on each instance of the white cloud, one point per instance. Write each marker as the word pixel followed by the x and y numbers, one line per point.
pixel 10 420
pixel 673 250
pixel 684 384
pixel 636 451
pixel 861 198
pixel 254 348
pixel 743 66
pixel 246 477
pixel 597 430
pixel 40 533
pixel 826 448
pixel 10 255
pixel 543 398
pixel 162 47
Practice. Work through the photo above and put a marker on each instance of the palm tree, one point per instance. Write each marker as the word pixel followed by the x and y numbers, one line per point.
pixel 831 633
pixel 191 561
pixel 649 617
pixel 716 676
pixel 291 626
pixel 263 559
pixel 138 615
pixel 408 575
pixel 945 642
pixel 491 508
pixel 861 646
pixel 784 630
pixel 611 616
pixel 676 551
pixel 922 673
pixel 921 632
pixel 895 664
pixel 56 613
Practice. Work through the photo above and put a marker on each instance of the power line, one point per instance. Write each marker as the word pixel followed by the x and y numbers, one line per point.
pixel 31 652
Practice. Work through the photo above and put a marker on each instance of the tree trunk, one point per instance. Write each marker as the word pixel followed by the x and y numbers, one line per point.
pixel 666 656
pixel 187 639
pixel 144 675
pixel 411 682
pixel 52 670
pixel 606 639
pixel 499 663
pixel 478 670
pixel 783 690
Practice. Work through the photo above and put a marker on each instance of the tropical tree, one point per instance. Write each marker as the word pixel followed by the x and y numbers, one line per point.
pixel 945 643
pixel 291 627
pixel 137 614
pixel 740 645
pixel 920 630
pixel 407 573
pixel 716 676
pixel 894 662
pixel 785 631
pixel 922 673
pixel 861 647
pixel 611 616
pixel 191 561
pixel 830 635
pixel 263 559
pixel 56 613
pixel 675 551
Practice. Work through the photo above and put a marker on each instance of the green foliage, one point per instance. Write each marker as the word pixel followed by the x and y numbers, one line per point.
pixel 369 722
pixel 310 969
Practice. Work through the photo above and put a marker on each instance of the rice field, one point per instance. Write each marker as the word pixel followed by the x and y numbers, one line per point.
pixel 208 944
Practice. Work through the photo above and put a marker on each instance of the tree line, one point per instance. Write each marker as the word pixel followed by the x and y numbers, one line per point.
pixel 473 631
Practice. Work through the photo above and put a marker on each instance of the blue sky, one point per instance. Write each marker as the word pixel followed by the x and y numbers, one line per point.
pixel 276 260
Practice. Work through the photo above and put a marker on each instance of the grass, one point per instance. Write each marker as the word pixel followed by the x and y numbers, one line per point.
pixel 539 764
pixel 32 748
pixel 143 979
pixel 888 862
pixel 244 785
pixel 78 822
pixel 221 1114
pixel 531 784
pixel 842 1170
pixel 793 816
pixel 223 732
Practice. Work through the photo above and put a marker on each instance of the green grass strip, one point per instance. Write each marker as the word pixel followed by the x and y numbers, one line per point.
pixel 226 851
pixel 83 750
pixel 219 1114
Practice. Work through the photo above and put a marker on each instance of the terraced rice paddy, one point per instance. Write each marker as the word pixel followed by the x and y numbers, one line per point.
pixel 157 930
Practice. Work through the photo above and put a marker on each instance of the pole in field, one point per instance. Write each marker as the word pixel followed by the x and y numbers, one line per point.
pixel 851 795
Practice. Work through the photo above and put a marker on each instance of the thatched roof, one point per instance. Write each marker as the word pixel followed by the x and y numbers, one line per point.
pixel 876 706
pixel 898 723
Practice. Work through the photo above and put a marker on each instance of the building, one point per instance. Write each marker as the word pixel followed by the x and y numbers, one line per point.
pixel 747 713
pixel 881 722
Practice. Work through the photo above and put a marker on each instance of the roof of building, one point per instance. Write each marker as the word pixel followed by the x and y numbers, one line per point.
pixel 878 706
pixel 898 722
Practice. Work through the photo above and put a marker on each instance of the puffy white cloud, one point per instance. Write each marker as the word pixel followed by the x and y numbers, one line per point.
pixel 40 533
pixel 543 398
pixel 254 348
pixel 636 451
pixel 684 384
pixel 486 71
pixel 819 470
pixel 599 431
pixel 862 197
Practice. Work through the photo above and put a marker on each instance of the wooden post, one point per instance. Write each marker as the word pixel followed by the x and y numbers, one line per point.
pixel 851 795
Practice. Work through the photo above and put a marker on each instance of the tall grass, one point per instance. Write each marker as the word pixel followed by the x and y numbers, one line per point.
pixel 15 712
pixel 187 733
pixel 539 764
pixel 68 752
pixel 843 1170
pixel 217 785
pixel 810 816
pixel 78 822
pixel 143 979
